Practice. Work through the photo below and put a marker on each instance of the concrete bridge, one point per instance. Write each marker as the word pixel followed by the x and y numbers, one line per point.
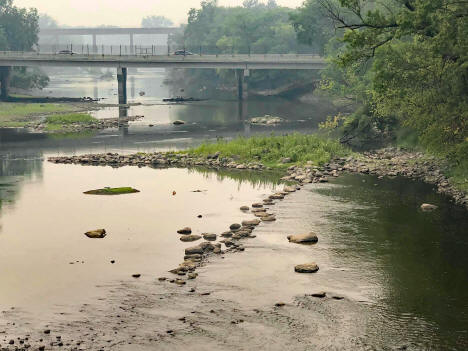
pixel 94 32
pixel 241 63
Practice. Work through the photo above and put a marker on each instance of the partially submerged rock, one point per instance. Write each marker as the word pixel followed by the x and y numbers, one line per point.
pixel 306 268
pixel 428 207
pixel 112 191
pixel 96 234
pixel 303 238
pixel 190 237
pixel 209 236
pixel 234 226
pixel 244 208
pixel 178 122
pixel 186 230
pixel 266 120
pixel 253 222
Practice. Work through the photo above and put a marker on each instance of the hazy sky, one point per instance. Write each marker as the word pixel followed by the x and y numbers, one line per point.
pixel 121 12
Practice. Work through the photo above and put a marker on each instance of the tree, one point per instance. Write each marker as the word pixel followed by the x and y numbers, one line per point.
pixel 250 3
pixel 20 26
pixel 156 21
pixel 410 62
pixel 46 21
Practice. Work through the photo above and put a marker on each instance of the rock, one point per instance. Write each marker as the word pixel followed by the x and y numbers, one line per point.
pixel 428 207
pixel 280 304
pixel 269 219
pixel 136 275
pixel 234 226
pixel 180 282
pixel 257 205
pixel 186 230
pixel 253 222
pixel 320 294
pixel 286 160
pixel 306 268
pixel 289 189
pixel 209 236
pixel 193 250
pixel 190 237
pixel 226 234
pixel 47 331
pixel 192 275
pixel 303 238
pixel 178 122
pixel 244 208
pixel 162 279
pixel 96 234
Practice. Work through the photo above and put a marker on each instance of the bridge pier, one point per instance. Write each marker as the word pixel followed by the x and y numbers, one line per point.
pixel 122 85
pixel 242 84
pixel 94 44
pixel 5 74
pixel 132 45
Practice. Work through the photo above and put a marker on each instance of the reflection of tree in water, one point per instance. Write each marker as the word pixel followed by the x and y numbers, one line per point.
pixel 14 169
pixel 418 258
pixel 255 178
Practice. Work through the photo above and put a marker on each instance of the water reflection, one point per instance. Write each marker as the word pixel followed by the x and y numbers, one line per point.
pixel 420 258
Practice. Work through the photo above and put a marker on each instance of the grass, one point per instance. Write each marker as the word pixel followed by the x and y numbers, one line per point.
pixel 270 150
pixel 14 114
pixel 59 122
pixel 112 191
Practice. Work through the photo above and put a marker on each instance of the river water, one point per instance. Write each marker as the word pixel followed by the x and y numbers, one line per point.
pixel 405 269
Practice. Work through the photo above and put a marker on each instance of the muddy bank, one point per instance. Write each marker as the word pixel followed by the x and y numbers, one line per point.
pixel 389 162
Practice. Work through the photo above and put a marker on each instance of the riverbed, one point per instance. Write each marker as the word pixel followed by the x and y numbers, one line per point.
pixel 394 276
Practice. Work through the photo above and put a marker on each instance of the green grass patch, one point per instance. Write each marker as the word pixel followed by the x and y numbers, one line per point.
pixel 59 122
pixel 270 150
pixel 112 191
pixel 15 109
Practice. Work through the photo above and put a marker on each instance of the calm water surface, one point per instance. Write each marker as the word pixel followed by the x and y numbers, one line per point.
pixel 407 269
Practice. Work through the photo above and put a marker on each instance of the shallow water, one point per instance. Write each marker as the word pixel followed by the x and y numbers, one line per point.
pixel 405 271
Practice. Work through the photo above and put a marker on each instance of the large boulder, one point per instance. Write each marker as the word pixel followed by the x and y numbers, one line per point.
pixel 303 238
pixel 209 236
pixel 306 268
pixel 96 234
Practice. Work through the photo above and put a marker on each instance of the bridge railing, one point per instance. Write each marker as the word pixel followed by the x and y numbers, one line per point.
pixel 169 50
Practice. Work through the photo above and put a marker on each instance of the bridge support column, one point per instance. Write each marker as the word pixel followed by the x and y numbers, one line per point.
pixel 94 43
pixel 242 83
pixel 132 45
pixel 5 73
pixel 122 85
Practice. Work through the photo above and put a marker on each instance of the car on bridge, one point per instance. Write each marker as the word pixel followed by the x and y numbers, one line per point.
pixel 65 52
pixel 182 53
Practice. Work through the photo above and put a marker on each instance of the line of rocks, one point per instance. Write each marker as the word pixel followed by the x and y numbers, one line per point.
pixel 388 162
pixel 99 124
pixel 195 256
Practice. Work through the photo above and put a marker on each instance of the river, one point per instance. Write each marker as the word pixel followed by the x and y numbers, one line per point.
pixel 402 273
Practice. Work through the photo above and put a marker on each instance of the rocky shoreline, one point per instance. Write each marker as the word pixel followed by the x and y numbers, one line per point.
pixel 388 162
pixel 103 123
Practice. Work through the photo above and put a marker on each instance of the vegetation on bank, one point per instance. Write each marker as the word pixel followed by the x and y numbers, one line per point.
pixel 112 191
pixel 276 151
pixel 404 66
pixel 18 115
pixel 61 122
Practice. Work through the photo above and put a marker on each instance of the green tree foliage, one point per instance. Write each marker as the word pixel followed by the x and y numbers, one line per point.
pixel 254 28
pixel 402 60
pixel 20 26
pixel 156 21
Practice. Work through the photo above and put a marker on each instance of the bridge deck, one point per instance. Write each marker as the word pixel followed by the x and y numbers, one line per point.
pixel 269 61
